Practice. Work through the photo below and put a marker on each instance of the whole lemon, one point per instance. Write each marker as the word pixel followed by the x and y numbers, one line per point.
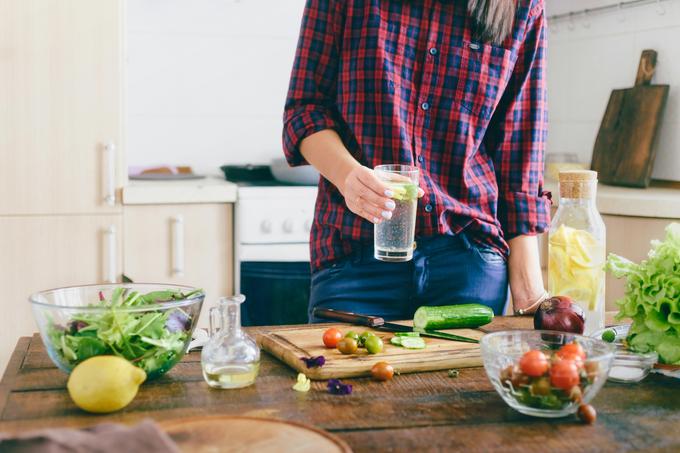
pixel 104 383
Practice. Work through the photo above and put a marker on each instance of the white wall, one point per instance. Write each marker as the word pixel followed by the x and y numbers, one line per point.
pixel 207 79
pixel 598 53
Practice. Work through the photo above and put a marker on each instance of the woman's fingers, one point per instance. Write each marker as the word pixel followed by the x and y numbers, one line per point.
pixel 370 180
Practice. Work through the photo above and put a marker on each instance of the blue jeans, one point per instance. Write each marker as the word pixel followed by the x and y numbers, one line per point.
pixel 445 270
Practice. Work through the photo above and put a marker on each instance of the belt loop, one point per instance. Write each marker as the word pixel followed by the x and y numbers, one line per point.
pixel 465 240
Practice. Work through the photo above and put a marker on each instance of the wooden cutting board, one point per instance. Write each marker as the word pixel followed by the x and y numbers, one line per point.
pixel 243 434
pixel 625 146
pixel 290 343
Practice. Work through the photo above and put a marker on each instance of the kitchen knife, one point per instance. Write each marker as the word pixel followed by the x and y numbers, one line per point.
pixel 377 322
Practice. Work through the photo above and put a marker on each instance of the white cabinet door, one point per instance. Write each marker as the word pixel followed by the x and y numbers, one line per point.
pixel 189 244
pixel 43 252
pixel 60 106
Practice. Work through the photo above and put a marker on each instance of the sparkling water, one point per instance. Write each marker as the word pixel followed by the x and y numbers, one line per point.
pixel 394 237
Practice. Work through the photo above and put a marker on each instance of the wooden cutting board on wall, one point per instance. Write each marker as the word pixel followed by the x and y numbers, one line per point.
pixel 625 145
pixel 288 344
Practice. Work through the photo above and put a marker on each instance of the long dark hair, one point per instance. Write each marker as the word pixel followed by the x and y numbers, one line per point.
pixel 493 19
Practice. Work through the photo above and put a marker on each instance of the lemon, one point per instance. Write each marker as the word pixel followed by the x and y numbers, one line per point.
pixel 104 383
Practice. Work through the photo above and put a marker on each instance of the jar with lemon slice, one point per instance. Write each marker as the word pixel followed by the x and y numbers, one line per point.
pixel 576 247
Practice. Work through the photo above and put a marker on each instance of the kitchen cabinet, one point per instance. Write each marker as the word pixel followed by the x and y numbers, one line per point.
pixel 189 244
pixel 42 252
pixel 60 106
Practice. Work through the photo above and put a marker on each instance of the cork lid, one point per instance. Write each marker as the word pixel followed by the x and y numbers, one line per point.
pixel 578 183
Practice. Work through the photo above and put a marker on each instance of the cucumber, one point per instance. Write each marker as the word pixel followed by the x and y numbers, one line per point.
pixel 412 343
pixel 396 341
pixel 407 334
pixel 452 316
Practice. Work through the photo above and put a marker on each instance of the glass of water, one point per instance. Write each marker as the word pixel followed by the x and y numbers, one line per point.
pixel 393 238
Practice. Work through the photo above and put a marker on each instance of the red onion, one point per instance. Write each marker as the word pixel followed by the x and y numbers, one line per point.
pixel 560 313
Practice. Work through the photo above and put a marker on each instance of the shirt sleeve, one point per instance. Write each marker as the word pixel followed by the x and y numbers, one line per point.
pixel 523 207
pixel 310 105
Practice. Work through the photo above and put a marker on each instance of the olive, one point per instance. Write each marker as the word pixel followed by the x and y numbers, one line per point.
pixel 587 413
pixel 374 345
pixel 347 346
pixel 363 337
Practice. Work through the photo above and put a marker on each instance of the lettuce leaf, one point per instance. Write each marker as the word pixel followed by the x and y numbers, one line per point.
pixel 652 297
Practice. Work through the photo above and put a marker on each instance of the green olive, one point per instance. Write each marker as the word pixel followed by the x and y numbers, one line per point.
pixel 374 345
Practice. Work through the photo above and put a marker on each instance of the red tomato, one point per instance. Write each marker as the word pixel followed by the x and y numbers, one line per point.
pixel 534 363
pixel 578 361
pixel 572 349
pixel 564 374
pixel 331 337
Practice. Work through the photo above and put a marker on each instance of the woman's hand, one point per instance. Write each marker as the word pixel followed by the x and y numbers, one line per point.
pixel 524 272
pixel 366 195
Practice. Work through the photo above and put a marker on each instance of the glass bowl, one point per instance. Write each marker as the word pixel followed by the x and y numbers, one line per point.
pixel 148 324
pixel 628 366
pixel 501 353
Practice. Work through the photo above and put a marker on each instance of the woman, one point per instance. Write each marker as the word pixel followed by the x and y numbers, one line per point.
pixel 455 88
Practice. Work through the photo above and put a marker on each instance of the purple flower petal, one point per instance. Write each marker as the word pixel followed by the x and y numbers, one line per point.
pixel 335 387
pixel 314 362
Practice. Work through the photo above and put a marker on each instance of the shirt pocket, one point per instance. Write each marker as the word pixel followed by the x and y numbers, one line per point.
pixel 483 74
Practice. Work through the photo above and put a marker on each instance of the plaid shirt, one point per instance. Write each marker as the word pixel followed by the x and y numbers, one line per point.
pixel 405 82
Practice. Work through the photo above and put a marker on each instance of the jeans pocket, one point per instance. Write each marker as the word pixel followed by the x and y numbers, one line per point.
pixel 331 271
pixel 489 255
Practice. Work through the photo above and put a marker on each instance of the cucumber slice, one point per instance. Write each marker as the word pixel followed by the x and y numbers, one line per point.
pixel 413 342
pixel 396 341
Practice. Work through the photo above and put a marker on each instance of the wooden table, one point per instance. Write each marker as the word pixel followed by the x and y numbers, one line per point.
pixel 416 412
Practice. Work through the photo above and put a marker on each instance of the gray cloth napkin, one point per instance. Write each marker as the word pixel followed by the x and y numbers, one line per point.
pixel 104 438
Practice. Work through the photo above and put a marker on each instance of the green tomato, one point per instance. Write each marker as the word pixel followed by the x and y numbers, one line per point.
pixel 363 337
pixel 609 336
pixel 352 334
pixel 374 345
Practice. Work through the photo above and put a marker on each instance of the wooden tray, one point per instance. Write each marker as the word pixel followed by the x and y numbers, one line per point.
pixel 290 344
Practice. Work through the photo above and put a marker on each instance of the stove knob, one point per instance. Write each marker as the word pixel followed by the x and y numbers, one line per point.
pixel 308 225
pixel 287 226
pixel 266 226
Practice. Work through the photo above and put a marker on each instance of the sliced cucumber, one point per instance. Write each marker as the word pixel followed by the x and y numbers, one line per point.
pixel 452 317
pixel 396 341
pixel 412 342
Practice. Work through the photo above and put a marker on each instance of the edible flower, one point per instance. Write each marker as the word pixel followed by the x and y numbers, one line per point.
pixel 314 362
pixel 335 387
pixel 303 383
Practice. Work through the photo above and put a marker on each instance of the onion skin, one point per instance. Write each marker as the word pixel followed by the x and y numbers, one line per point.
pixel 560 313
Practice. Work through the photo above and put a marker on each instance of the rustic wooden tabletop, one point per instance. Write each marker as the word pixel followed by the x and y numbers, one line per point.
pixel 413 412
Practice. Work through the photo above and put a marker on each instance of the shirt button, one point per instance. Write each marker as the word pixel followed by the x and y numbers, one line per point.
pixel 420 159
pixel 433 51
pixel 428 208
pixel 425 106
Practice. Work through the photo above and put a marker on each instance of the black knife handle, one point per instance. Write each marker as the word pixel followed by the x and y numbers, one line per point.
pixel 346 316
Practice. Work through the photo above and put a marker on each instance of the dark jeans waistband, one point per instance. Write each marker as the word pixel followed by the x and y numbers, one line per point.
pixel 363 251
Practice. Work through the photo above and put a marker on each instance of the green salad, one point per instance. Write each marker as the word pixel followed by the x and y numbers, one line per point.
pixel 152 339
pixel 652 297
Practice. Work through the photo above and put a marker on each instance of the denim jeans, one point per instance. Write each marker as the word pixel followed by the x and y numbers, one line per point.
pixel 445 270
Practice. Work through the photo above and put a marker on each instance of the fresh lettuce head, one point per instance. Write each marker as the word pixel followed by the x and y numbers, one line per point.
pixel 652 297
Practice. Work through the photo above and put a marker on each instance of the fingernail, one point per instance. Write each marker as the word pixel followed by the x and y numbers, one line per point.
pixel 376 220
pixel 389 204
pixel 389 193
pixel 387 214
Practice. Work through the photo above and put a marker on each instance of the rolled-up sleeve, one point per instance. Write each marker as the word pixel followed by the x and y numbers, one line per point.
pixel 310 105
pixel 521 126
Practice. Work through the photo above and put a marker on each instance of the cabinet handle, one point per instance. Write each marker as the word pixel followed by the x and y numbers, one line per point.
pixel 110 260
pixel 110 174
pixel 177 246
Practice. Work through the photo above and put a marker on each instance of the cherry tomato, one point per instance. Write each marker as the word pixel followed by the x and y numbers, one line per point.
pixel 587 413
pixel 347 345
pixel 374 345
pixel 382 371
pixel 534 363
pixel 572 349
pixel 331 337
pixel 352 334
pixel 363 337
pixel 564 374
pixel 573 357
pixel 540 386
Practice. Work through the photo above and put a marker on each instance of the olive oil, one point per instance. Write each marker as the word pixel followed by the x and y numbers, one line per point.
pixel 231 376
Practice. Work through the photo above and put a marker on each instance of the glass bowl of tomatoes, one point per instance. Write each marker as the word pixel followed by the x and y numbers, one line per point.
pixel 545 373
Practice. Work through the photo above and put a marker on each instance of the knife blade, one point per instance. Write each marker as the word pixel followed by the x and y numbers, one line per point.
pixel 377 322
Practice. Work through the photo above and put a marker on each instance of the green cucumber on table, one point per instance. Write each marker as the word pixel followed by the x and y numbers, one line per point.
pixel 412 341
pixel 452 317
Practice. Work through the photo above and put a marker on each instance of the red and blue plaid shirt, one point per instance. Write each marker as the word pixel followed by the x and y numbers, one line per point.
pixel 406 82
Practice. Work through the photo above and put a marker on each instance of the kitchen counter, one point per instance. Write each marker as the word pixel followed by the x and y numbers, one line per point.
pixel 413 412
pixel 659 200
pixel 208 190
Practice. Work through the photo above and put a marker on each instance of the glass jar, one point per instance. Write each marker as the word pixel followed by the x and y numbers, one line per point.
pixel 576 247
pixel 230 359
